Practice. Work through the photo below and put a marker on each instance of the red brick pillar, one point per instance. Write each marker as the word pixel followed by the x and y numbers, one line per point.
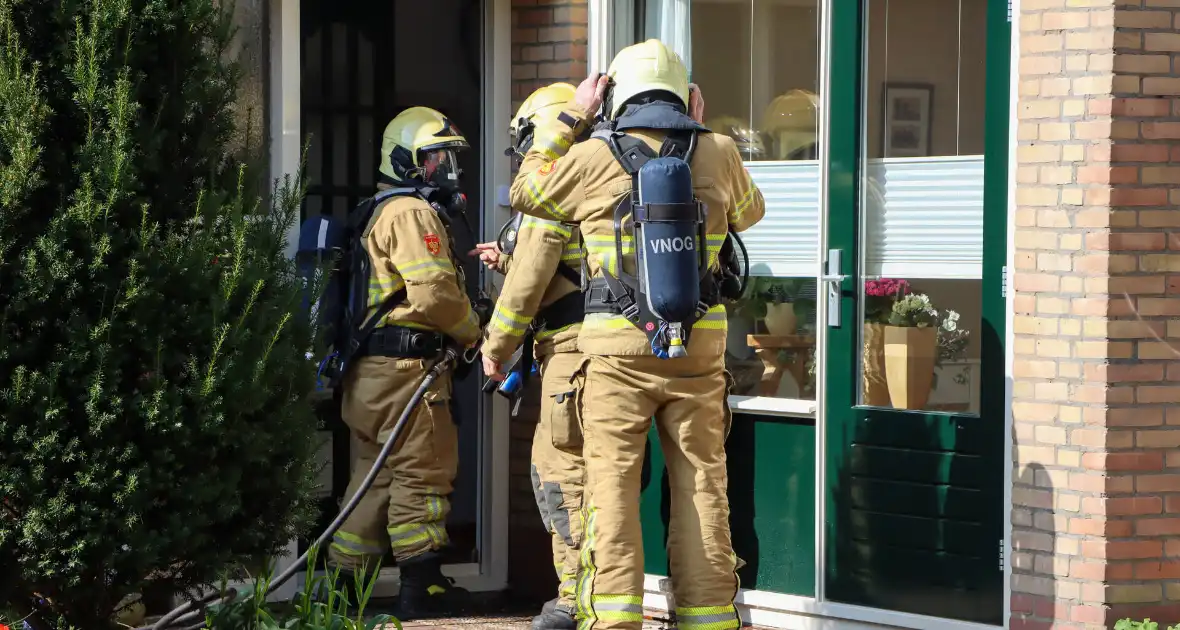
pixel 548 45
pixel 1096 377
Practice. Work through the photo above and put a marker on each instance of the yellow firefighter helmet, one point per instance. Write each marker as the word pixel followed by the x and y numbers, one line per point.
pixel 543 104
pixel 412 133
pixel 643 68
pixel 792 121
pixel 748 140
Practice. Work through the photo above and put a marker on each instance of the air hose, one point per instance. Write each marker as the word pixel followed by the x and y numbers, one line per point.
pixel 185 615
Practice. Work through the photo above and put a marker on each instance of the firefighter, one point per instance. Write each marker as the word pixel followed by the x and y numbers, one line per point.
pixel 409 247
pixel 541 302
pixel 625 380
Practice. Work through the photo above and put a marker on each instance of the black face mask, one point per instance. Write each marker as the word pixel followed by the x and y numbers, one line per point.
pixel 447 174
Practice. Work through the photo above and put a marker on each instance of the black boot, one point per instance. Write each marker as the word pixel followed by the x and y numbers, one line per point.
pixel 425 592
pixel 555 618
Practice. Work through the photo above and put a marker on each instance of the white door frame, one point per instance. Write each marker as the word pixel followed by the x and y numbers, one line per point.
pixel 491 572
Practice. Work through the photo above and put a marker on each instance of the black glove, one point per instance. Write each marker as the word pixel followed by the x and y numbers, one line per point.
pixel 483 308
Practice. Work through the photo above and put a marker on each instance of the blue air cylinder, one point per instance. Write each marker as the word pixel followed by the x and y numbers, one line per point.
pixel 668 257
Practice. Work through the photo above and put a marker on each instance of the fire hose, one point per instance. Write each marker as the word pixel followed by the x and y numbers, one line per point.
pixel 186 614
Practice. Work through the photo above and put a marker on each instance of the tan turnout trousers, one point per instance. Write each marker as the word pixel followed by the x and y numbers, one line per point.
pixel 407 506
pixel 687 398
pixel 558 467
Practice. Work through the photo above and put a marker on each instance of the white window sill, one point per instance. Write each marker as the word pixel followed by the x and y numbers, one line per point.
pixel 766 405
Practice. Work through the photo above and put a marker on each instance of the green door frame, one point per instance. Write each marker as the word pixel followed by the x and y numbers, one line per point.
pixel 914 502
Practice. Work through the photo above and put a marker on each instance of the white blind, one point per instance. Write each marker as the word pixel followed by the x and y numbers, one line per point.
pixel 925 217
pixel 786 241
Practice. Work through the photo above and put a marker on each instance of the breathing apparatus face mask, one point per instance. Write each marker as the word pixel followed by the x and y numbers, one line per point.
pixel 522 141
pixel 440 169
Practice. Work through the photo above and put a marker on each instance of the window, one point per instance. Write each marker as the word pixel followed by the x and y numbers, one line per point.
pixel 758 65
pixel 922 187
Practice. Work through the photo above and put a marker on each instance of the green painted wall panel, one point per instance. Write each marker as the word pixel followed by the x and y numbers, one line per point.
pixel 771 463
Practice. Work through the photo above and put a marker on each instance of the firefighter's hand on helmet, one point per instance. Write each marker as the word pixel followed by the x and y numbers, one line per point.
pixel 591 92
pixel 483 310
pixel 489 254
pixel 696 103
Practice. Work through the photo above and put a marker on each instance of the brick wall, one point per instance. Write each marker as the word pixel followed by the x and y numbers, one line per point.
pixel 548 45
pixel 1096 377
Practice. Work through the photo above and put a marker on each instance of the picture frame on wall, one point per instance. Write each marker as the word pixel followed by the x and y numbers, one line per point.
pixel 906 120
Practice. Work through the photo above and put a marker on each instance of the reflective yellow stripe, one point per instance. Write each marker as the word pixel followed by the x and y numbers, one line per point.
pixel 381 288
pixel 431 531
pixel 572 253
pixel 508 321
pixel 404 536
pixel 713 243
pixel 618 607
pixel 418 268
pixel 744 203
pixel 562 229
pixel 552 145
pixel 586 574
pixel 542 200
pixel 708 618
pixel 353 545
pixel 547 334
pixel 604 248
pixel 466 324
pixel 714 319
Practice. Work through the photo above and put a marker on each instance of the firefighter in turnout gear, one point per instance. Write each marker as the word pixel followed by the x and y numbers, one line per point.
pixel 409 248
pixel 540 311
pixel 640 361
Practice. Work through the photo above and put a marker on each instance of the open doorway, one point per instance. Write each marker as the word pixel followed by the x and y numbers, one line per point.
pixel 363 62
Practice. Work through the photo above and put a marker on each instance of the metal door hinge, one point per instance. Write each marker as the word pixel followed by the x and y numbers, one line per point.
pixel 1004 282
pixel 1002 554
pixel 1009 11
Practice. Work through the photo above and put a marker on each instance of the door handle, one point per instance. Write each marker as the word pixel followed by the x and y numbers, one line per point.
pixel 833 278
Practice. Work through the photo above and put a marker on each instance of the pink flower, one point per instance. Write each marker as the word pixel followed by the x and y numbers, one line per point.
pixel 887 287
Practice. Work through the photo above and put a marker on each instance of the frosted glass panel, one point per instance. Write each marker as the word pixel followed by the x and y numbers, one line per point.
pixel 924 217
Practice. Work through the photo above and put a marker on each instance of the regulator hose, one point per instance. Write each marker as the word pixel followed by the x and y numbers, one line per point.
pixel 185 615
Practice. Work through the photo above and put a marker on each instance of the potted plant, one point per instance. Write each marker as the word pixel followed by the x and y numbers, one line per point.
pixel 880 296
pixel 911 349
pixel 772 300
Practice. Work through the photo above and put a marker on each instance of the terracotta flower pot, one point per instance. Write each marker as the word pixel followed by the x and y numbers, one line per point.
pixel 780 319
pixel 876 391
pixel 909 365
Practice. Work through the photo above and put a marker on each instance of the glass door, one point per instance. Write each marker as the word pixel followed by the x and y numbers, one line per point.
pixel 914 362
pixel 758 63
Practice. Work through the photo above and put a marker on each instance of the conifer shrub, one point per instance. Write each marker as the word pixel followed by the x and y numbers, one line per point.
pixel 154 423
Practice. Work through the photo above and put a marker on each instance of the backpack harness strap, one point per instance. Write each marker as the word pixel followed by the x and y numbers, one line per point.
pixel 619 295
